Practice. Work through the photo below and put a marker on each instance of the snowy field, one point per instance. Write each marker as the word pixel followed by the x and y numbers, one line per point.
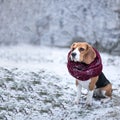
pixel 35 85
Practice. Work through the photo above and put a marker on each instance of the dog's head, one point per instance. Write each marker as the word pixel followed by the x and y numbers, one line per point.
pixel 82 52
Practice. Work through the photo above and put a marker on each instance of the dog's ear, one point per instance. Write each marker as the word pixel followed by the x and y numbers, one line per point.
pixel 73 45
pixel 89 55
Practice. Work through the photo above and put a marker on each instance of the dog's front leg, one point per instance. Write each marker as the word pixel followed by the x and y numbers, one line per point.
pixel 89 98
pixel 91 90
pixel 79 88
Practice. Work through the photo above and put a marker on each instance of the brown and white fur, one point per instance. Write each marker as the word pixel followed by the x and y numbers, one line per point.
pixel 83 52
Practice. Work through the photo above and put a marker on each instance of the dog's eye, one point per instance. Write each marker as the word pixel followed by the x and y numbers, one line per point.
pixel 81 49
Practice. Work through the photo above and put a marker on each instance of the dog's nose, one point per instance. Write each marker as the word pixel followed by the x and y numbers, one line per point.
pixel 73 54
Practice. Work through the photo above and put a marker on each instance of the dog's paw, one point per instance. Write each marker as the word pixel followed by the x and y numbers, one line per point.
pixel 76 101
pixel 88 103
pixel 105 100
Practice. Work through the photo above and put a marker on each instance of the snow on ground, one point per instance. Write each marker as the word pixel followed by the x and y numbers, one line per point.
pixel 35 85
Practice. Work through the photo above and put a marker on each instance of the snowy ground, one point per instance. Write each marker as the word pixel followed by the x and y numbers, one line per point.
pixel 35 85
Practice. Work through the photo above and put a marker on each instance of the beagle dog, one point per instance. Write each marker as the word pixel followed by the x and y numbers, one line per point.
pixel 98 86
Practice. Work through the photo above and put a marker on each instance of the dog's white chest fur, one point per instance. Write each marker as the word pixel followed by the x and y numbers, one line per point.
pixel 84 84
